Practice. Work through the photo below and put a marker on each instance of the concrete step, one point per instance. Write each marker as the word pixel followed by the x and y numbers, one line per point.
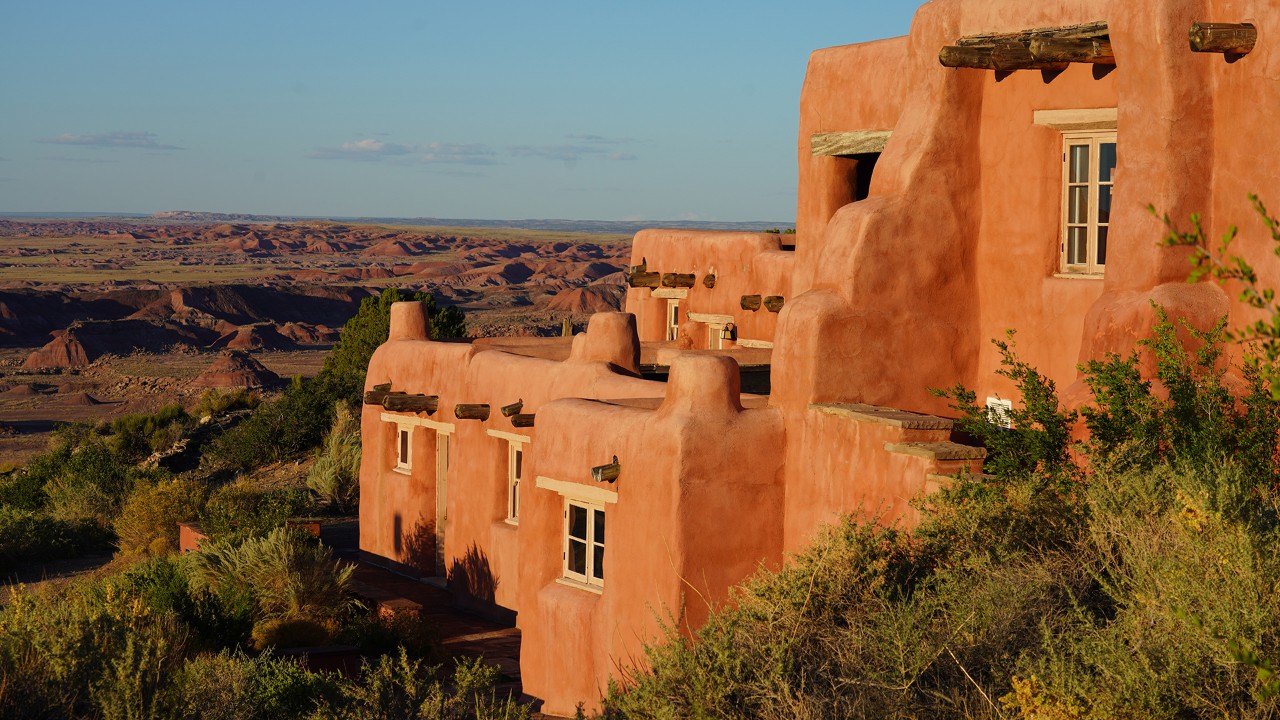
pixel 937 451
pixel 884 415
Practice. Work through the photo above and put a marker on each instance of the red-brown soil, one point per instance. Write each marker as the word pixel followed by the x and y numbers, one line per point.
pixel 99 318
pixel 236 369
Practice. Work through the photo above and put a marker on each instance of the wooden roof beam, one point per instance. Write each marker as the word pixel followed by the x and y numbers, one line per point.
pixel 1226 38
pixel 1096 29
pixel 1096 51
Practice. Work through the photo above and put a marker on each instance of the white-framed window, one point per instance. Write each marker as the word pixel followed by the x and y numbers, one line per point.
pixel 1000 412
pixel 673 319
pixel 404 448
pixel 515 473
pixel 1088 179
pixel 584 542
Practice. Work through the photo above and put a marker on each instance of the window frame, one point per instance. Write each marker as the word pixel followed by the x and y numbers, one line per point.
pixel 1093 140
pixel 515 475
pixel 587 578
pixel 673 319
pixel 404 449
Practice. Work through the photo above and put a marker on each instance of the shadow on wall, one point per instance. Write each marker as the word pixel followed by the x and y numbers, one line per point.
pixel 472 576
pixel 417 547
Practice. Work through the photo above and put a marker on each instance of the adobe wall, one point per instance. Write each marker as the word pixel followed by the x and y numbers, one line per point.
pixel 398 512
pixel 697 510
pixel 743 263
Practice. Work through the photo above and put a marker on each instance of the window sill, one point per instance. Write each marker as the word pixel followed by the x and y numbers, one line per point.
pixel 513 522
pixel 402 470
pixel 1078 276
pixel 579 585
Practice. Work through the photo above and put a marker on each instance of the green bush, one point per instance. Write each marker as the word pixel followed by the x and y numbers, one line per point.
pixel 240 510
pixel 287 574
pixel 400 688
pixel 85 653
pixel 216 401
pixel 335 477
pixel 148 520
pixel 27 536
pixel 290 633
pixel 1133 576
pixel 135 437
pixel 231 685
pixel 163 584
pixel 344 369
pixel 280 430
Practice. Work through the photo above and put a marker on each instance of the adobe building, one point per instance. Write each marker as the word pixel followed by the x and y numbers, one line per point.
pixel 989 171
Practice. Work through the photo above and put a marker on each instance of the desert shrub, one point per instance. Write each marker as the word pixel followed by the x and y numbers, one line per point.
pixel 1132 576
pixel 287 574
pixel 279 430
pixel 85 653
pixel 135 437
pixel 380 634
pixel 289 633
pixel 240 510
pixel 217 401
pixel 335 477
pixel 229 686
pixel 163 584
pixel 400 688
pixel 27 536
pixel 1190 570
pixel 148 520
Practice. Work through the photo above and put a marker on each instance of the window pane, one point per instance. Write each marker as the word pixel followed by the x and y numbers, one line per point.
pixel 597 570
pixel 1104 204
pixel 1078 204
pixel 404 446
pixel 519 464
pixel 599 518
pixel 515 500
pixel 1106 161
pixel 577 560
pixel 1077 245
pixel 1079 163
pixel 578 522
pixel 1102 246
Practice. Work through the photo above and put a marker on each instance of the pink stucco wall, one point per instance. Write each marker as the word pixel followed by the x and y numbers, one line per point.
pixel 886 298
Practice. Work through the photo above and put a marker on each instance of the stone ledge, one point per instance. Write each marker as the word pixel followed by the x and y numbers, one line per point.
pixel 937 450
pixel 883 415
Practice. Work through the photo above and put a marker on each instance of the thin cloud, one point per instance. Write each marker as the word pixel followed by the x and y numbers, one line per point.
pixel 436 153
pixel 584 146
pixel 598 139
pixel 64 158
pixel 118 139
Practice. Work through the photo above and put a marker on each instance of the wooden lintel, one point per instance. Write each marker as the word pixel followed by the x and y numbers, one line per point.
pixel 1014 55
pixel 1225 38
pixel 375 396
pixel 679 280
pixel 773 303
pixel 644 279
pixel 476 411
pixel 1095 29
pixel 512 409
pixel 522 420
pixel 853 142
pixel 750 302
pixel 954 56
pixel 708 281
pixel 1096 51
pixel 404 402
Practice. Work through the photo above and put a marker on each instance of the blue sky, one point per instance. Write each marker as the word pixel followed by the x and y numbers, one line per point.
pixel 638 111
